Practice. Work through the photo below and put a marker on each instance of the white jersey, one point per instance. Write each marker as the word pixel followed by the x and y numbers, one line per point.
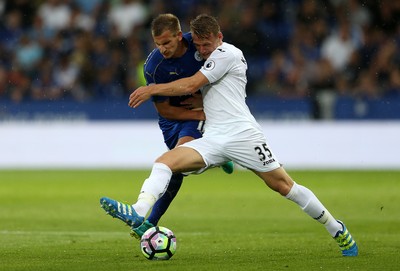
pixel 231 131
pixel 224 99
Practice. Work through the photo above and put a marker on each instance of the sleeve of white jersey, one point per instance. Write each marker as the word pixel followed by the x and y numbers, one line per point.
pixel 217 65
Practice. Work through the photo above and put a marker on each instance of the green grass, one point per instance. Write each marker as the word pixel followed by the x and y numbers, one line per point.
pixel 51 220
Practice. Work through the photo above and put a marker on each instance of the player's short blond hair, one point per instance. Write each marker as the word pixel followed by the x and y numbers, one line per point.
pixel 164 22
pixel 204 25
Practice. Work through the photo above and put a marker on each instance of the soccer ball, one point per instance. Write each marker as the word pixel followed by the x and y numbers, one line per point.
pixel 158 243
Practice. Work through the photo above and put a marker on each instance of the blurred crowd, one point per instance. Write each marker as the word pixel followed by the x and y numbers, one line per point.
pixel 95 49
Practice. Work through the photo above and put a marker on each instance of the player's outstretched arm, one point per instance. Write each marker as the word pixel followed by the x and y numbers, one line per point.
pixel 179 87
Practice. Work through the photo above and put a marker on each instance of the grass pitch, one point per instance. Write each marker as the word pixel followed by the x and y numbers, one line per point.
pixel 52 220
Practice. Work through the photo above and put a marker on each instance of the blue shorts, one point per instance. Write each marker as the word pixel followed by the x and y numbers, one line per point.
pixel 179 130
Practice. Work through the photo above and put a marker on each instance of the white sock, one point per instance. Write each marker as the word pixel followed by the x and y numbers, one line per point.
pixel 153 188
pixel 310 204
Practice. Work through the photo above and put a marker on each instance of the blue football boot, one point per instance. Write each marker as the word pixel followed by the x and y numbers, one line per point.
pixel 122 211
pixel 346 241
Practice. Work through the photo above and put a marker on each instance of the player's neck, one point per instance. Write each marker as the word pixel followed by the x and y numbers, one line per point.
pixel 182 48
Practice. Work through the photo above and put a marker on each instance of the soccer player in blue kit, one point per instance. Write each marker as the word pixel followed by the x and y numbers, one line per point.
pixel 231 134
pixel 175 57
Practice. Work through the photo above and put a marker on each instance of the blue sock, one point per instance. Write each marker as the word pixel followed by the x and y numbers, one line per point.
pixel 161 206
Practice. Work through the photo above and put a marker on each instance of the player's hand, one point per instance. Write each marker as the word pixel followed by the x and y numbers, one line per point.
pixel 139 96
pixel 193 102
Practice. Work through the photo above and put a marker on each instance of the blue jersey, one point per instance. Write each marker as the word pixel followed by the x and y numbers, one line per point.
pixel 158 70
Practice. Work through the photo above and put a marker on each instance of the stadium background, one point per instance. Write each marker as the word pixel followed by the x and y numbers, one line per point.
pixel 321 73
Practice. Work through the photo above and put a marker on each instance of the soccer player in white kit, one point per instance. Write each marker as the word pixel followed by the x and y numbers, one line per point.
pixel 231 134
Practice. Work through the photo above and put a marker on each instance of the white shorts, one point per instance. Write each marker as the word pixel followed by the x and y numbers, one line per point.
pixel 248 149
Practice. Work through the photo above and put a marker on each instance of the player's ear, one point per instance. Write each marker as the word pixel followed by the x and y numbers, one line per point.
pixel 180 35
pixel 220 35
